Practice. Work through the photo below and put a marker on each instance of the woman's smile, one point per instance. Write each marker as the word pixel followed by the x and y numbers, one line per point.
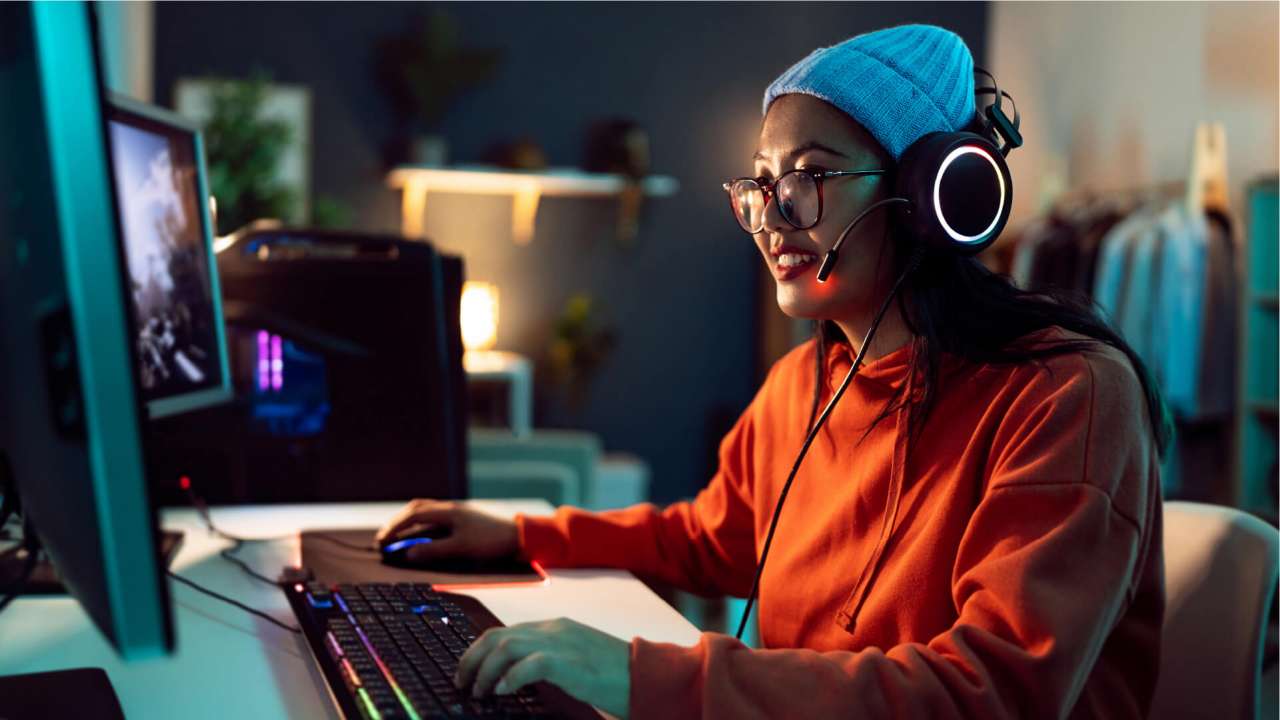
pixel 789 262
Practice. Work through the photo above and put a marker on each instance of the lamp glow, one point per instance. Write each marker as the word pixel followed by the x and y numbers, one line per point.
pixel 479 315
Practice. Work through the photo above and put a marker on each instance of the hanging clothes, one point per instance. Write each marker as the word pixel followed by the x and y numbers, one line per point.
pixel 1027 249
pixel 1165 277
pixel 1089 246
pixel 1060 251
pixel 1177 327
pixel 1111 277
pixel 1217 396
pixel 1055 267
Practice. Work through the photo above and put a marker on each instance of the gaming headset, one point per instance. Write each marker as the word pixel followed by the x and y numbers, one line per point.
pixel 953 189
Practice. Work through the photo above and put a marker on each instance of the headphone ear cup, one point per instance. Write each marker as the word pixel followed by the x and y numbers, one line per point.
pixel 960 192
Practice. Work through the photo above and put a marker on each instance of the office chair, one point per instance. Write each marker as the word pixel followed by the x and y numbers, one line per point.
pixel 1220 575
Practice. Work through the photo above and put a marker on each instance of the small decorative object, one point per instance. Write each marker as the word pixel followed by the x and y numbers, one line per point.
pixel 424 71
pixel 522 154
pixel 618 145
pixel 479 315
pixel 430 150
pixel 578 348
pixel 258 145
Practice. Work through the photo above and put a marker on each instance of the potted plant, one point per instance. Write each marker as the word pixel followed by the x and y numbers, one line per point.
pixel 423 71
pixel 243 150
pixel 579 347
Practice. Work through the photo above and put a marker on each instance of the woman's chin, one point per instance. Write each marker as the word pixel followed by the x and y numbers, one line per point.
pixel 799 307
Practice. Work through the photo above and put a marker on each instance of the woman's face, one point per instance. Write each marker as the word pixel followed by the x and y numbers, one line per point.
pixel 801 131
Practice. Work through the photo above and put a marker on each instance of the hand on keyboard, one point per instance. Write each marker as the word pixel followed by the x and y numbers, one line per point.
pixel 389 652
pixel 473 534
pixel 590 665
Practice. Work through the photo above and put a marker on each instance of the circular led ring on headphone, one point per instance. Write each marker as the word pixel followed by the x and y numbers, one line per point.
pixel 937 198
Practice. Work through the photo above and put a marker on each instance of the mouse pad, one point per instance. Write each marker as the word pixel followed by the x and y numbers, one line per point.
pixel 336 562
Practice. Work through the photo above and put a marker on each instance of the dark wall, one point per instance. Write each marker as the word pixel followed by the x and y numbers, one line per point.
pixel 681 299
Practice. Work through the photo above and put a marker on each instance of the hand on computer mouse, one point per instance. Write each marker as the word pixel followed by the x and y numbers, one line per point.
pixel 472 534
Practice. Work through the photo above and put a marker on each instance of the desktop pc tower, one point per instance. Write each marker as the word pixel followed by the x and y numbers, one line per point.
pixel 346 364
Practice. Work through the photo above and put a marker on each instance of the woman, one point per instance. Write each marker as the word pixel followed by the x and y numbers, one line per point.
pixel 976 529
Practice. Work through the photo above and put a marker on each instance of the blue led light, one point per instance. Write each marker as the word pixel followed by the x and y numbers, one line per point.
pixel 319 603
pixel 402 544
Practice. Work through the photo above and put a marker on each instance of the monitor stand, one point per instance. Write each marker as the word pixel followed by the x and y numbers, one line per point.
pixel 80 693
pixel 44 579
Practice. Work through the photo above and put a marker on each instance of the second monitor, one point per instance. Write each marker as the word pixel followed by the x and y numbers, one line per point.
pixel 157 159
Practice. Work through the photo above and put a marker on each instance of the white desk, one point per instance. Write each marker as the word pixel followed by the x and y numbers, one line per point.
pixel 230 664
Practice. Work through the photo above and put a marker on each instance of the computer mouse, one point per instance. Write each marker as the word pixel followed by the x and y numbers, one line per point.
pixel 396 552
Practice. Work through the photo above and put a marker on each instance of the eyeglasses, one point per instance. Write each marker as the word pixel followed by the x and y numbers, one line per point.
pixel 799 194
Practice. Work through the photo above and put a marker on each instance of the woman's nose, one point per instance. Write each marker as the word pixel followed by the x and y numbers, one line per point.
pixel 772 219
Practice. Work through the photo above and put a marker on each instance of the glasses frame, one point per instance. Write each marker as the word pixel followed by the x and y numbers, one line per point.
pixel 769 191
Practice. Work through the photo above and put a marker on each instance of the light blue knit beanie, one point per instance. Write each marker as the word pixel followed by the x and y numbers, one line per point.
pixel 899 83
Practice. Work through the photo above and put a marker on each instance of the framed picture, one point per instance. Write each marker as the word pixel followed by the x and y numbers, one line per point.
pixel 290 104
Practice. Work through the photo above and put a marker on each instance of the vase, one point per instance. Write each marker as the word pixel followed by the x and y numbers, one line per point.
pixel 429 150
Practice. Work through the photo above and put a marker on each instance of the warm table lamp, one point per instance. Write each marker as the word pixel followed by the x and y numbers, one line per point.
pixel 479 315
pixel 485 366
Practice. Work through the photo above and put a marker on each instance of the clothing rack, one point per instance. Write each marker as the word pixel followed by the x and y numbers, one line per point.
pixel 1159 260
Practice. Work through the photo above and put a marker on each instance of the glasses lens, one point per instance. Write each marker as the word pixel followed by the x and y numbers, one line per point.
pixel 798 199
pixel 748 204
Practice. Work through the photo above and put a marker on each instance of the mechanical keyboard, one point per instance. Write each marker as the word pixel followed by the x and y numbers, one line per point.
pixel 389 652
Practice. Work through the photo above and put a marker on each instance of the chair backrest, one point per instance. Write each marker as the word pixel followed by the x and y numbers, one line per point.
pixel 550 481
pixel 1220 577
pixel 576 450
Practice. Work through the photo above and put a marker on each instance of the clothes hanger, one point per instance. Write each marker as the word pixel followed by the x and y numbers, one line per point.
pixel 1207 184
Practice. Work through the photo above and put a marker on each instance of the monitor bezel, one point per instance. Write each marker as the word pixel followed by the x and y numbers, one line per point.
pixel 118 104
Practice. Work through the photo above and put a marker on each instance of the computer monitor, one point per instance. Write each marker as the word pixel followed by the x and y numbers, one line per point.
pixel 158 162
pixel 72 411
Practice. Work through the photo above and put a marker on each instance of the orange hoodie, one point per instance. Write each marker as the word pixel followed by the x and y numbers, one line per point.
pixel 1004 562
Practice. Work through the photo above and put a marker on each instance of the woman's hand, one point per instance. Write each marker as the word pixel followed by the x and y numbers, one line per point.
pixel 473 534
pixel 590 665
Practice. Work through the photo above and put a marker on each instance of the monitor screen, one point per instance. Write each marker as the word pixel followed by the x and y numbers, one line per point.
pixel 167 239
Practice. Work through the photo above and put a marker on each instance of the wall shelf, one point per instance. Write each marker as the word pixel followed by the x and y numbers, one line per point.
pixel 525 188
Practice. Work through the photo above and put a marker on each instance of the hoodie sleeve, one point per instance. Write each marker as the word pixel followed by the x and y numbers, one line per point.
pixel 1046 567
pixel 705 545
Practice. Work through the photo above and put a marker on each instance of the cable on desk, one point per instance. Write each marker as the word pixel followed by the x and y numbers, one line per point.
pixel 30 543
pixel 237 603
pixel 9 506
pixel 229 555
pixel 9 594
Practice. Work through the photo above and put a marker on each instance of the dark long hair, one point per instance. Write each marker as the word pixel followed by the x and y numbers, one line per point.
pixel 956 305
